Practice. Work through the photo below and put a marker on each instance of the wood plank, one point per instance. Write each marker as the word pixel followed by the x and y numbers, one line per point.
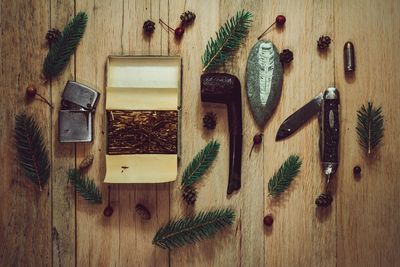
pixel 251 203
pixel 63 157
pixel 25 220
pixel 97 235
pixel 223 249
pixel 136 233
pixel 368 216
pixel 301 235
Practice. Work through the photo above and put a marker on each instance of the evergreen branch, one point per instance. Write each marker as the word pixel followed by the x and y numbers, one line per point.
pixel 60 51
pixel 32 153
pixel 200 163
pixel 228 39
pixel 179 232
pixel 85 186
pixel 369 127
pixel 285 175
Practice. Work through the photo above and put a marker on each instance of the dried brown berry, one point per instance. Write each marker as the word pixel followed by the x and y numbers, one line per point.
pixel 268 220
pixel 143 212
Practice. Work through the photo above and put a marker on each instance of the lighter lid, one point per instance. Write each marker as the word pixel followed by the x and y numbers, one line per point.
pixel 80 95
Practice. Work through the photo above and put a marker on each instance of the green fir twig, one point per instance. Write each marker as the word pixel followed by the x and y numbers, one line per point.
pixel 369 127
pixel 228 39
pixel 85 186
pixel 60 51
pixel 179 232
pixel 284 176
pixel 200 163
pixel 32 153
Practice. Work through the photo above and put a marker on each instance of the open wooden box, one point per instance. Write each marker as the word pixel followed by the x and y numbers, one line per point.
pixel 143 101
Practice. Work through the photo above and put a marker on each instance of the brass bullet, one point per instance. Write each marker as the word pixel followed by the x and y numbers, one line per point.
pixel 348 57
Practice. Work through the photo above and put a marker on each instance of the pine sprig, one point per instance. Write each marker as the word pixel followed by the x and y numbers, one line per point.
pixel 200 163
pixel 60 51
pixel 179 232
pixel 229 37
pixel 32 153
pixel 284 176
pixel 84 186
pixel 369 127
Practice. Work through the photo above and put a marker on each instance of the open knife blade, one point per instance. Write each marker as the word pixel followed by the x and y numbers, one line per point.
pixel 301 116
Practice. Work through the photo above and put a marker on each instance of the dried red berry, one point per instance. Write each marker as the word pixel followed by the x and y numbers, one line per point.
pixel 179 32
pixel 257 139
pixel 31 92
pixel 357 170
pixel 268 220
pixel 108 211
pixel 280 20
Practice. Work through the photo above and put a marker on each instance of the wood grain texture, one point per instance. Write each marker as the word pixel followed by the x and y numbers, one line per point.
pixel 367 231
pixel 55 227
pixel 63 157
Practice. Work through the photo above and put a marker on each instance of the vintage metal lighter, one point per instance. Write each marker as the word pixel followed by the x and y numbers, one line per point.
pixel 327 105
pixel 76 113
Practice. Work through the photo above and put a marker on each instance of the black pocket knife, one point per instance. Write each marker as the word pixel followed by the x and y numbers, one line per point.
pixel 327 105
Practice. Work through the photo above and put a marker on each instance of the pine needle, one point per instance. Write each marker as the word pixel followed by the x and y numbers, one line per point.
pixel 32 153
pixel 60 51
pixel 369 127
pixel 85 186
pixel 228 39
pixel 285 175
pixel 179 232
pixel 200 163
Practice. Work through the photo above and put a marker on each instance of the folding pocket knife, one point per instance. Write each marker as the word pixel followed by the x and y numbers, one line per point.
pixel 327 105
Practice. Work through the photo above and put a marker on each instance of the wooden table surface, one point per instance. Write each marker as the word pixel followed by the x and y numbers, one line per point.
pixel 56 227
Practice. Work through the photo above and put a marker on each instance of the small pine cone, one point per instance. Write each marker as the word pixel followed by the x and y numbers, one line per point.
pixel 143 212
pixel 188 17
pixel 149 27
pixel 286 56
pixel 324 200
pixel 189 194
pixel 210 120
pixel 86 162
pixel 53 35
pixel 323 42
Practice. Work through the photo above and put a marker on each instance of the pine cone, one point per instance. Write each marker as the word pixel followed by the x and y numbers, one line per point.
pixel 148 27
pixel 143 212
pixel 324 200
pixel 189 194
pixel 53 35
pixel 286 56
pixel 86 162
pixel 324 42
pixel 187 17
pixel 210 121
